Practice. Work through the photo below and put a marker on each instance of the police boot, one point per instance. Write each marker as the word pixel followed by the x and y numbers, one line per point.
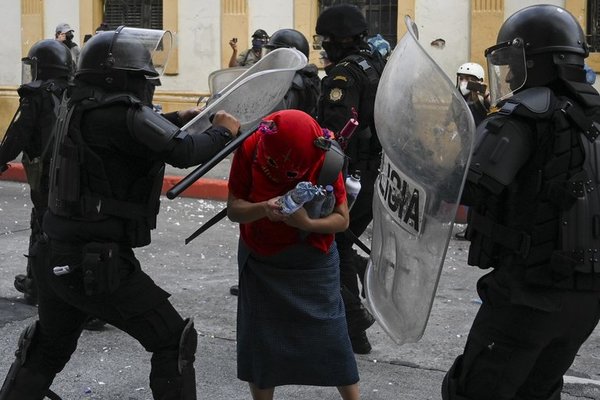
pixel 22 382
pixel 26 285
pixel 173 376
pixel 358 319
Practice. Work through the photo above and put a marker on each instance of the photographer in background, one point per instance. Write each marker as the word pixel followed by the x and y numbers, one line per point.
pixel 469 82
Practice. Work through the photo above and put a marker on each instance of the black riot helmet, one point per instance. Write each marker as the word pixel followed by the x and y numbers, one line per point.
pixel 109 57
pixel 288 38
pixel 335 25
pixel 343 20
pixel 47 59
pixel 536 46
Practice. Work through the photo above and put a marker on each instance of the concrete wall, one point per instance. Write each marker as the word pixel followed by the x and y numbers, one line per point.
pixel 512 6
pixel 199 38
pixel 447 20
pixel 10 51
pixel 59 11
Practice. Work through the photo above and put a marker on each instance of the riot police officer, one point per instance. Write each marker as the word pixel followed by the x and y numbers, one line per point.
pixel 105 179
pixel 532 188
pixel 350 85
pixel 306 84
pixel 46 72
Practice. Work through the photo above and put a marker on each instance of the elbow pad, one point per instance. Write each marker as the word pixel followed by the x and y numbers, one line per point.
pixel 152 129
pixel 502 148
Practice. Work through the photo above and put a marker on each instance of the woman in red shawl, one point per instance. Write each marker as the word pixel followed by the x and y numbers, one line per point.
pixel 291 326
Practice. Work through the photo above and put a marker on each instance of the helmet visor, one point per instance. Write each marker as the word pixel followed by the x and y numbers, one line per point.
pixel 506 69
pixel 153 61
pixel 28 70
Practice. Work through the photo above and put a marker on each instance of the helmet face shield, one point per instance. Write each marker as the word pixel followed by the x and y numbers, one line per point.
pixel 28 70
pixel 507 69
pixel 146 50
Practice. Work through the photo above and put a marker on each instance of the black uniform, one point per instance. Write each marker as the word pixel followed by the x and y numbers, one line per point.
pixel 305 91
pixel 543 298
pixel 352 84
pixel 533 191
pixel 29 133
pixel 120 176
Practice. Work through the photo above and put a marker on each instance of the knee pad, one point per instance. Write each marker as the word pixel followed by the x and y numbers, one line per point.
pixel 21 382
pixel 179 361
pixel 25 341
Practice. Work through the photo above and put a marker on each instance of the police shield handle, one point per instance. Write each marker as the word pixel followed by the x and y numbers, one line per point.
pixel 422 171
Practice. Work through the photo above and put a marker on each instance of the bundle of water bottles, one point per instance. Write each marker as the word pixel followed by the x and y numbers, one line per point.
pixel 319 201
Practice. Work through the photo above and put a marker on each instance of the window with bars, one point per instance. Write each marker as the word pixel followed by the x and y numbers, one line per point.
pixel 382 16
pixel 134 13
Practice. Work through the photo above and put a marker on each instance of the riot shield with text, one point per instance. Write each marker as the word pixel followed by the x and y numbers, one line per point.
pixel 426 131
pixel 256 92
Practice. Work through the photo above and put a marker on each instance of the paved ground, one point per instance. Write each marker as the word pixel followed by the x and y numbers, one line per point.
pixel 110 365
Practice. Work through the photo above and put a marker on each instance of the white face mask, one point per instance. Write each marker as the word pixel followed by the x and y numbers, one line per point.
pixel 463 88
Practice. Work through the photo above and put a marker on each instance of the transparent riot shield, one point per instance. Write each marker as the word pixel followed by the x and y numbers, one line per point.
pixel 256 92
pixel 221 78
pixel 426 131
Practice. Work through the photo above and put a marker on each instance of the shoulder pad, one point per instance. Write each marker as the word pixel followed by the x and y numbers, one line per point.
pixel 502 146
pixel 366 65
pixel 533 102
pixel 152 129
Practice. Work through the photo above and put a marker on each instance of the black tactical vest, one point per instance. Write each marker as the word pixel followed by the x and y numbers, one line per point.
pixel 79 186
pixel 526 226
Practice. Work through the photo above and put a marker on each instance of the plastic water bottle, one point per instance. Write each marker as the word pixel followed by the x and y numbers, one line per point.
pixel 313 207
pixel 295 198
pixel 328 202
pixel 352 188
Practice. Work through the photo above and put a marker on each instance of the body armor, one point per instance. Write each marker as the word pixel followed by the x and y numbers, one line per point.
pixel 79 186
pixel 540 206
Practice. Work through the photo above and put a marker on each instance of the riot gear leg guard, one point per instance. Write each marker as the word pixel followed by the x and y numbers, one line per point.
pixel 173 376
pixel 24 283
pixel 22 382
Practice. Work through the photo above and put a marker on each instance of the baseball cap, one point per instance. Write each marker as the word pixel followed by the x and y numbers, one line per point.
pixel 63 28
pixel 260 34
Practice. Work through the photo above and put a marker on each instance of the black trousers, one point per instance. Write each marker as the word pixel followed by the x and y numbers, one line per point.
pixel 517 351
pixel 361 216
pixel 138 307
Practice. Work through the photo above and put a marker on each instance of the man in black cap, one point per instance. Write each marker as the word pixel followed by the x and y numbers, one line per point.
pixel 249 56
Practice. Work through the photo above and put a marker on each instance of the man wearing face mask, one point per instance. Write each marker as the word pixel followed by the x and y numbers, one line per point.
pixel 469 81
pixel 249 56
pixel 351 83
pixel 64 33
